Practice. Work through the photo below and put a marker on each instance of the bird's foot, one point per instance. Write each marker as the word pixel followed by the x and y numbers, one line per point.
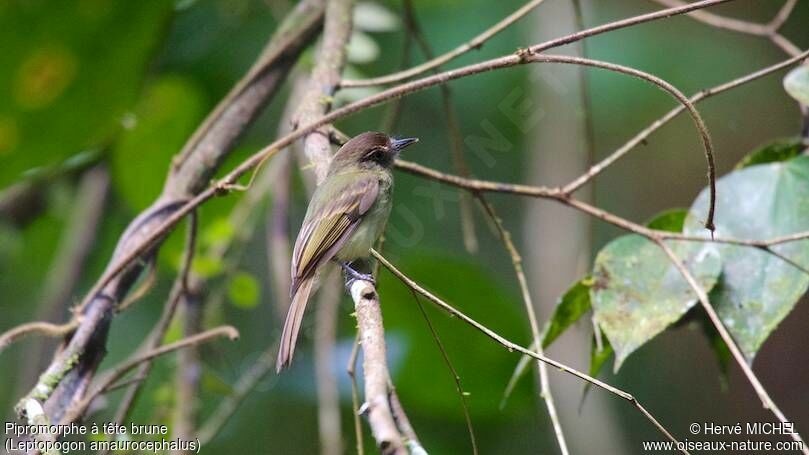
pixel 352 275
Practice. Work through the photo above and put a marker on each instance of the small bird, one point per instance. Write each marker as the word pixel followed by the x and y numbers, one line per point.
pixel 346 216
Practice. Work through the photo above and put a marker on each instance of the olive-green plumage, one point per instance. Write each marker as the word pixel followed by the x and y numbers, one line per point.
pixel 346 216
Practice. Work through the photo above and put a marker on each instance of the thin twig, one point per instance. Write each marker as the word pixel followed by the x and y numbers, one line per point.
pixel 455 376
pixel 511 346
pixel 769 30
pixel 77 410
pixel 323 83
pixel 436 62
pixel 729 341
pixel 47 329
pixel 639 138
pixel 179 287
pixel 516 262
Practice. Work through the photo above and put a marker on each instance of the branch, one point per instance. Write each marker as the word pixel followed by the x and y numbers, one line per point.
pixel 76 364
pixel 728 339
pixel 769 30
pixel 40 327
pixel 653 235
pixel 325 78
pixel 516 262
pixel 662 14
pixel 511 346
pixel 375 369
pixel 435 62
pixel 645 133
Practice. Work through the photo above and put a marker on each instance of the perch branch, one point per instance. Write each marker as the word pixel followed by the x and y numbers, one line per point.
pixel 375 369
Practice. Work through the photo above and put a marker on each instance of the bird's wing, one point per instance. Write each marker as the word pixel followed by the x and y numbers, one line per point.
pixel 327 228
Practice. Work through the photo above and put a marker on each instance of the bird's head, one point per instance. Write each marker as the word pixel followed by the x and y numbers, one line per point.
pixel 369 151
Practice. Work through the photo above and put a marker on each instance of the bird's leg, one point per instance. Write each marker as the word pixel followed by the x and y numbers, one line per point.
pixel 352 274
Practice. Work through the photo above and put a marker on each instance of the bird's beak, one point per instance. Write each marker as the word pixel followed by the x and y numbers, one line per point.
pixel 400 144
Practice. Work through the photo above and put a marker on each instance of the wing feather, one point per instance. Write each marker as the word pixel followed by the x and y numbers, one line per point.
pixel 326 228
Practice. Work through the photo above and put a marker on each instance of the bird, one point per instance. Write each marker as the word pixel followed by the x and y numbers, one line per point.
pixel 346 216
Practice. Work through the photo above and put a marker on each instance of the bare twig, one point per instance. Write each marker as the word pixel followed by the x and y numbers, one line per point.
pixel 511 346
pixel 729 341
pixel 42 328
pixel 317 99
pixel 662 14
pixel 516 262
pixel 159 331
pixel 455 376
pixel 436 62
pixel 75 245
pixel 596 169
pixel 119 371
pixel 769 30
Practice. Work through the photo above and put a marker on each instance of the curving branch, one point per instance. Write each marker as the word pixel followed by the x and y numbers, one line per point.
pixel 769 30
pixel 61 385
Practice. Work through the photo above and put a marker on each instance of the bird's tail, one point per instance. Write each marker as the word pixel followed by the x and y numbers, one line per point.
pixel 292 325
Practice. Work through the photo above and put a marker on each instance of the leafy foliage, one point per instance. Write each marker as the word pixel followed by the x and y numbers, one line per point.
pixel 571 307
pixel 757 288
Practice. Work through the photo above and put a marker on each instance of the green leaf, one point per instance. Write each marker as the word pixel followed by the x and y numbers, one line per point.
pixel 638 292
pixel 168 113
pixel 670 220
pixel 777 151
pixel 243 290
pixel 573 304
pixel 758 289
pixel 599 357
pixel 796 83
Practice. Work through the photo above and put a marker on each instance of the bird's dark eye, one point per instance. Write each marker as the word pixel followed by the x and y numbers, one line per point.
pixel 377 154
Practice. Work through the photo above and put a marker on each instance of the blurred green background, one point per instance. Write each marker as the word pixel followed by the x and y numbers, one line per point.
pixel 125 83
